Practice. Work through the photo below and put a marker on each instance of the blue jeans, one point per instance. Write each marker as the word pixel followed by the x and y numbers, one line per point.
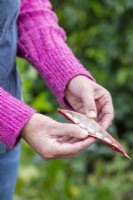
pixel 9 163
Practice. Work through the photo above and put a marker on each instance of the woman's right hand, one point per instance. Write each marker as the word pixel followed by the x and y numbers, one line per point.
pixel 52 139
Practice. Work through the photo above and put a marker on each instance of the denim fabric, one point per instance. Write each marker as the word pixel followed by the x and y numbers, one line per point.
pixel 9 78
pixel 11 82
pixel 9 163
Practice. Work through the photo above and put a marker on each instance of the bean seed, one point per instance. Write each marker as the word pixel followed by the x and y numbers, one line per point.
pixel 83 126
pixel 99 135
pixel 107 140
pixel 90 130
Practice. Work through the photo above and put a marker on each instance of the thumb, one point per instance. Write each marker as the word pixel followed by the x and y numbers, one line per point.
pixel 89 104
pixel 72 130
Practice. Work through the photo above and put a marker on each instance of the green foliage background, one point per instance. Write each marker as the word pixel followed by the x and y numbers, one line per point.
pixel 100 32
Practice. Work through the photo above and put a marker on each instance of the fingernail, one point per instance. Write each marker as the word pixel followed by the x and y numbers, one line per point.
pixel 83 133
pixel 91 114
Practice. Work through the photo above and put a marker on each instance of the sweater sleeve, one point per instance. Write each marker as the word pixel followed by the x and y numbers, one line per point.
pixel 14 114
pixel 42 43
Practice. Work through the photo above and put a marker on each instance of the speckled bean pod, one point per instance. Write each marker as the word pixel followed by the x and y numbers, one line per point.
pixel 93 128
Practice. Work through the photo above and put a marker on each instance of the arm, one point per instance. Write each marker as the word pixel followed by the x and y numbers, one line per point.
pixel 14 114
pixel 42 43
pixel 56 63
pixel 42 133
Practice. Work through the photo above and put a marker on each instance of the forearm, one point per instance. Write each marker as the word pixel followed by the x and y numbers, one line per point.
pixel 42 43
pixel 14 114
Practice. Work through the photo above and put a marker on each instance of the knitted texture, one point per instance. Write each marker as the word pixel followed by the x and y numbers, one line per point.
pixel 14 114
pixel 42 43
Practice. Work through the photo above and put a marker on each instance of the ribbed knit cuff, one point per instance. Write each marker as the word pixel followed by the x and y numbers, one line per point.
pixel 14 114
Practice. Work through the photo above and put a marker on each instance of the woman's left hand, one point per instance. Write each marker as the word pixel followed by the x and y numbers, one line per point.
pixel 87 97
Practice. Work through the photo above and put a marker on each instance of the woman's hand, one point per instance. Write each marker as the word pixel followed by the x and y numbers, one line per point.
pixel 52 139
pixel 87 97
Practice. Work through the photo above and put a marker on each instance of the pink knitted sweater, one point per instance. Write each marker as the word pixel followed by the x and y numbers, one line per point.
pixel 42 43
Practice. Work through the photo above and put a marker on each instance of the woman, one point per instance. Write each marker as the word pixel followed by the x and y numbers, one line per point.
pixel 42 42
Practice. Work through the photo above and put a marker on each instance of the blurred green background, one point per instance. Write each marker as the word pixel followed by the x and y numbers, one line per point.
pixel 100 32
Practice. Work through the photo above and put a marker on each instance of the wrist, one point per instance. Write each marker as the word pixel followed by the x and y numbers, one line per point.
pixel 29 126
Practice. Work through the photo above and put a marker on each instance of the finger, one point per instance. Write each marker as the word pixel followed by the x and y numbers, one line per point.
pixel 106 121
pixel 106 113
pixel 74 140
pixel 64 139
pixel 67 139
pixel 70 130
pixel 66 149
pixel 89 103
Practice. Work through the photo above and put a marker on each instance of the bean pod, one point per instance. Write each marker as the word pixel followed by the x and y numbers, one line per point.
pixel 93 129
